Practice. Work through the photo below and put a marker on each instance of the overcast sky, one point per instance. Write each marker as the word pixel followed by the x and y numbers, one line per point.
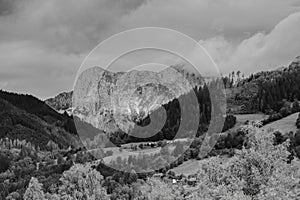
pixel 43 43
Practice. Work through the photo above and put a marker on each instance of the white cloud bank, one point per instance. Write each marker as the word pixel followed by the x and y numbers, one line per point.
pixel 262 51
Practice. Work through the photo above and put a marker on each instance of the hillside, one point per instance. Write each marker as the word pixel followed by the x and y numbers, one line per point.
pixel 265 91
pixel 114 101
pixel 284 125
pixel 62 102
pixel 27 118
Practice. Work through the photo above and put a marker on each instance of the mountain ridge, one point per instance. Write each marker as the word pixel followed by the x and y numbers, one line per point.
pixel 27 118
pixel 105 98
pixel 251 95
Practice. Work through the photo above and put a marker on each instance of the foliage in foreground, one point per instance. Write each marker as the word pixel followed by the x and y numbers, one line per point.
pixel 80 182
pixel 260 171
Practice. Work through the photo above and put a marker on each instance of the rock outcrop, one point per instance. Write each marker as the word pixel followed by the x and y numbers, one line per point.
pixel 62 102
pixel 115 101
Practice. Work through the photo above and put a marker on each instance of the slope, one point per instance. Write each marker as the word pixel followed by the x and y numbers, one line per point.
pixel 26 117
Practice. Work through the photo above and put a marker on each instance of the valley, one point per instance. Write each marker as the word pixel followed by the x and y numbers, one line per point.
pixel 149 100
pixel 53 139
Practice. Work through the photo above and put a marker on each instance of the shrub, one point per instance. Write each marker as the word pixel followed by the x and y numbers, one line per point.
pixel 4 163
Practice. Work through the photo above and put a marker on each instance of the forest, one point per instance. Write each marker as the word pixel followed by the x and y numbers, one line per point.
pixel 261 169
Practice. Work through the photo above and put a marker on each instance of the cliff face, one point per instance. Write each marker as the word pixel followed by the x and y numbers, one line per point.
pixel 115 101
pixel 62 102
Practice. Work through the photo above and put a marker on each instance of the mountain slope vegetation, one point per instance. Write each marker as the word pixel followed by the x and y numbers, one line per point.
pixel 266 91
pixel 26 117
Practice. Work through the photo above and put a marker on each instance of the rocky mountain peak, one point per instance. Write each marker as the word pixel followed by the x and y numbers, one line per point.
pixel 61 102
pixel 113 101
pixel 296 62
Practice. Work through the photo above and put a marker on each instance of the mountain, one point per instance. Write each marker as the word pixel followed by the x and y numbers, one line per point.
pixel 265 91
pixel 61 103
pixel 27 118
pixel 116 101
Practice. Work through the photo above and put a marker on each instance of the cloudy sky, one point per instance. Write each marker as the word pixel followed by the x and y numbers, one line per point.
pixel 43 43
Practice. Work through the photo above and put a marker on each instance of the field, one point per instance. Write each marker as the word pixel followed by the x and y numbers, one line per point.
pixel 125 153
pixel 242 118
pixel 187 168
pixel 250 117
pixel 190 167
pixel 284 125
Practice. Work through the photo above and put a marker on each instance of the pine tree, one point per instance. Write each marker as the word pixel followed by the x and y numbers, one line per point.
pixel 133 177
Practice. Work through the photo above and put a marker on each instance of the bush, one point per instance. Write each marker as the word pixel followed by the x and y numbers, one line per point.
pixel 298 122
pixel 230 121
pixel 4 160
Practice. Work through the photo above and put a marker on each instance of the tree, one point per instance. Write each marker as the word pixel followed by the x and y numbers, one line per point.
pixel 295 106
pixel 13 196
pixel 238 75
pixel 155 189
pixel 258 172
pixel 4 163
pixel 82 182
pixel 298 122
pixel 133 177
pixel 123 192
pixel 34 191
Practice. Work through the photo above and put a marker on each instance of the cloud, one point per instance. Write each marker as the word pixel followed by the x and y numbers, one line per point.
pixel 35 70
pixel 202 19
pixel 296 3
pixel 72 26
pixel 68 26
pixel 7 7
pixel 42 43
pixel 262 51
pixel 218 47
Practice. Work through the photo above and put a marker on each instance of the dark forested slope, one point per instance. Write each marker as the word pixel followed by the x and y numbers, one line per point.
pixel 266 91
pixel 26 117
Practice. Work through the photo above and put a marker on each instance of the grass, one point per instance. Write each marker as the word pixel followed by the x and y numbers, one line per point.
pixel 191 167
pixel 125 153
pixel 242 118
pixel 250 117
pixel 187 168
pixel 283 125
